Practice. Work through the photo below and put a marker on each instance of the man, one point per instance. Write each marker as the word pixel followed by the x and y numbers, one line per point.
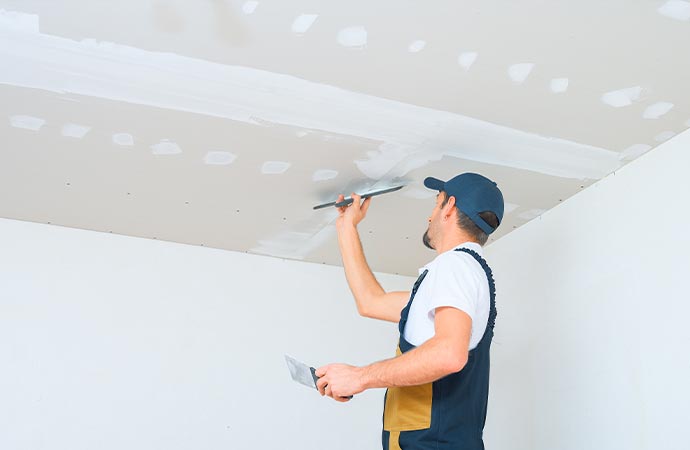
pixel 438 382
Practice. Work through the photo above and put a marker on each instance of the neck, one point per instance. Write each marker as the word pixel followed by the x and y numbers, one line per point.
pixel 452 242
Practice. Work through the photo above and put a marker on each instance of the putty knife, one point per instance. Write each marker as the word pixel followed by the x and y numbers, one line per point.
pixel 348 200
pixel 302 373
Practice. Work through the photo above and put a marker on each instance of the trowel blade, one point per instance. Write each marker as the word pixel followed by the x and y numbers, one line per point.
pixel 348 200
pixel 301 373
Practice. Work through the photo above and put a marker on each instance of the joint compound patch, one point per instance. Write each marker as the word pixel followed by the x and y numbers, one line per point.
pixel 657 110
pixel 123 139
pixel 166 147
pixel 622 97
pixel 302 23
pixel 74 130
pixel 27 122
pixel 274 167
pixel 355 37
pixel 219 158
pixel 676 9
pixel 324 174
pixel 519 72
pixel 559 85
pixel 466 59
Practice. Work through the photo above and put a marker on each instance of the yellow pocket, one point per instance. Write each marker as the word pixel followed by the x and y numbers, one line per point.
pixel 408 408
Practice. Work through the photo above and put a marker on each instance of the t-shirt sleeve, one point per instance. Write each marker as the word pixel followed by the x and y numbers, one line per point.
pixel 454 283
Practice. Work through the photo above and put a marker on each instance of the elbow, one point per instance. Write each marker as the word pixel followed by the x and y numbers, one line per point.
pixel 363 312
pixel 456 364
pixel 364 306
pixel 453 361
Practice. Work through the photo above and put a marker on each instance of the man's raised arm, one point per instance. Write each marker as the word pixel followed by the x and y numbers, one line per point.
pixel 372 301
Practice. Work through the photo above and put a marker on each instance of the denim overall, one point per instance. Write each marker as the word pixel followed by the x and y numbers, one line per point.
pixel 448 413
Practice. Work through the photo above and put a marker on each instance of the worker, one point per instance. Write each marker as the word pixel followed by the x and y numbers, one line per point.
pixel 438 382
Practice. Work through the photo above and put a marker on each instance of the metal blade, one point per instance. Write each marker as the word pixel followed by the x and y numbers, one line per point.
pixel 348 200
pixel 301 373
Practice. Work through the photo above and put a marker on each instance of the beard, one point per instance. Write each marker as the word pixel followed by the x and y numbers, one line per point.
pixel 427 241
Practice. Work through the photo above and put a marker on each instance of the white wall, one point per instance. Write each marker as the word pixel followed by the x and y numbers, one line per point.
pixel 112 342
pixel 592 345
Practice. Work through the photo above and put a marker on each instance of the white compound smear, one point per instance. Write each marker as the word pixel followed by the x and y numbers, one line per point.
pixel 166 147
pixel 324 174
pixel 75 130
pixel 417 46
pixel 466 59
pixel 27 122
pixel 275 167
pixel 664 136
pixel 657 110
pixel 353 37
pixel 559 85
pixel 419 193
pixel 509 208
pixel 622 97
pixel 531 214
pixel 123 139
pixel 302 23
pixel 519 72
pixel 634 151
pixel 249 7
pixel 219 158
pixel 675 9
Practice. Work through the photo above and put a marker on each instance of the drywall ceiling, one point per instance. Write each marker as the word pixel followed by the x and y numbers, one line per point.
pixel 221 123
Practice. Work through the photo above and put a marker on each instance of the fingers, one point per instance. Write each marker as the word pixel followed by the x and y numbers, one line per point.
pixel 356 202
pixel 365 205
pixel 321 383
pixel 341 209
pixel 321 386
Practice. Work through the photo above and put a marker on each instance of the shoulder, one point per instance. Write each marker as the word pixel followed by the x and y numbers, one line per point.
pixel 455 268
pixel 456 260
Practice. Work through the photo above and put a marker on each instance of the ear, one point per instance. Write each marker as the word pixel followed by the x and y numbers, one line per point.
pixel 450 206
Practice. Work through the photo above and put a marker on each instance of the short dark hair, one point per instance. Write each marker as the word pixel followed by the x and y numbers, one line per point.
pixel 466 224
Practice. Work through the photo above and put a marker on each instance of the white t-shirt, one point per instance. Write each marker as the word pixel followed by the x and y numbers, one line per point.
pixel 454 279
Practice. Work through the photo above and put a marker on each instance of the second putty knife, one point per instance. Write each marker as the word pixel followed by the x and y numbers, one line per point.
pixel 302 373
pixel 348 200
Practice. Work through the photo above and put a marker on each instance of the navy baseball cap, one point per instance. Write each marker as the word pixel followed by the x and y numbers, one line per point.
pixel 473 194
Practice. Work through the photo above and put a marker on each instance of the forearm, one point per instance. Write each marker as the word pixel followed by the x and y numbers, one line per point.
pixel 432 360
pixel 363 284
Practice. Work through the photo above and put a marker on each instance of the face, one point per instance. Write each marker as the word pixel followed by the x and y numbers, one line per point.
pixel 431 235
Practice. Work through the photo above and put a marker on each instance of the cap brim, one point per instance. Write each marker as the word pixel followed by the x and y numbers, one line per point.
pixel 434 183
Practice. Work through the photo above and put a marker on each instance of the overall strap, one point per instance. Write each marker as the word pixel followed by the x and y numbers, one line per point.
pixel 492 286
pixel 406 310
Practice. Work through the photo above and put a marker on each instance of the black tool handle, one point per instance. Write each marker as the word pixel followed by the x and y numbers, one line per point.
pixel 313 375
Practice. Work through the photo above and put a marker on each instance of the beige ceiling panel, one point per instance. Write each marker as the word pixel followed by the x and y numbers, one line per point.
pixel 223 123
